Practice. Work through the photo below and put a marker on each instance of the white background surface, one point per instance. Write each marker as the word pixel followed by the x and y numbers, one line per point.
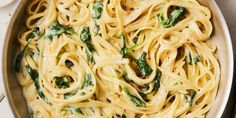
pixel 5 15
pixel 228 8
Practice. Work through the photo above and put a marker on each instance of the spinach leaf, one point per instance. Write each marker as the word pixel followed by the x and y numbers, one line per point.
pixel 21 54
pixel 157 81
pixel 78 110
pixel 125 74
pixel 90 56
pixel 19 58
pixel 35 77
pixel 32 72
pixel 72 110
pixel 138 102
pixel 147 87
pixel 197 59
pixel 173 18
pixel 63 82
pixel 96 28
pixel 97 10
pixel 143 95
pixel 190 59
pixel 143 66
pixel 123 116
pixel 69 64
pixel 87 81
pixel 68 95
pixel 131 48
pixel 34 33
pixel 190 96
pixel 57 29
pixel 85 36
pixel 40 93
pixel 124 52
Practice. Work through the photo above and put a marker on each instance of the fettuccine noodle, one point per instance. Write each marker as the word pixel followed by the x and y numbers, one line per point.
pixel 118 59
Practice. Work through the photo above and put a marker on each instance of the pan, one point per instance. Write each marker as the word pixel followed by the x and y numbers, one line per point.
pixel 220 36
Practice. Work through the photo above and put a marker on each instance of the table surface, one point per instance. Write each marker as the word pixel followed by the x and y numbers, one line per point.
pixel 5 14
pixel 228 8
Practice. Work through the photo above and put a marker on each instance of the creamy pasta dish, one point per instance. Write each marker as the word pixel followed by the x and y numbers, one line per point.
pixel 117 59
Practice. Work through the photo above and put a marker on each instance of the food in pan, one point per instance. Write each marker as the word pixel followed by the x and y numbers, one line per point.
pixel 118 58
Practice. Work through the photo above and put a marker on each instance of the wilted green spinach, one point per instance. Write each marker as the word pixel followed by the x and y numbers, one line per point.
pixel 173 18
pixel 96 29
pixel 35 77
pixel 63 82
pixel 138 102
pixel 73 110
pixel 123 116
pixel 87 81
pixel 85 36
pixel 125 74
pixel 97 10
pixel 57 29
pixel 190 59
pixel 157 81
pixel 68 95
pixel 143 66
pixel 90 56
pixel 190 96
pixel 197 59
pixel 20 57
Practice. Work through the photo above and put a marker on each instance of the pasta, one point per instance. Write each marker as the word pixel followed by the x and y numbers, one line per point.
pixel 118 59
